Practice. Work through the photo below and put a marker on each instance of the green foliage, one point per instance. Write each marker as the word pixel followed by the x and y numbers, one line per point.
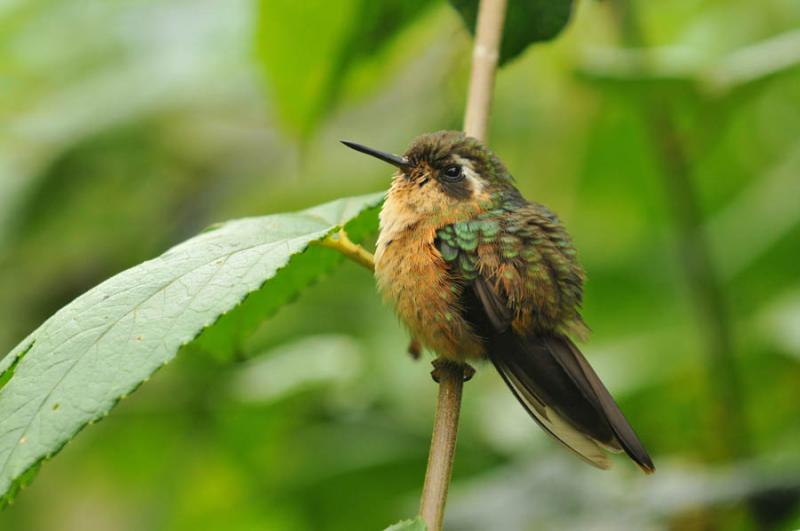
pixel 225 338
pixel 130 126
pixel 417 524
pixel 307 49
pixel 99 348
pixel 527 22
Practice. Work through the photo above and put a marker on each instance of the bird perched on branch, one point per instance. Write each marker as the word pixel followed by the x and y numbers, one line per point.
pixel 475 271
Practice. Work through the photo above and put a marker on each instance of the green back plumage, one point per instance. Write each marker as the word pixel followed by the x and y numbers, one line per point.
pixel 524 250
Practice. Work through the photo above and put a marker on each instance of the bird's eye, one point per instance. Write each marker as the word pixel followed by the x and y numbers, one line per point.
pixel 452 173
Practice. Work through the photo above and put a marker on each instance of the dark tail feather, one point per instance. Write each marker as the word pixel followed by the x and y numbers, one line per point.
pixel 560 390
pixel 582 375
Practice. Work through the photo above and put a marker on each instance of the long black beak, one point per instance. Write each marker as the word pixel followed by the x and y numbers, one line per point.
pixel 394 160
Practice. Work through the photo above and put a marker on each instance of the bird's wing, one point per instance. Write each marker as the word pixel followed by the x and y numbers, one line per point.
pixel 497 312
pixel 542 367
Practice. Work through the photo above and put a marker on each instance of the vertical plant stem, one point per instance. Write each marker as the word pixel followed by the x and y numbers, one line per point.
pixel 731 434
pixel 726 405
pixel 451 375
pixel 488 34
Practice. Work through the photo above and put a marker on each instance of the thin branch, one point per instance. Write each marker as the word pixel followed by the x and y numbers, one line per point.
pixel 488 34
pixel 451 375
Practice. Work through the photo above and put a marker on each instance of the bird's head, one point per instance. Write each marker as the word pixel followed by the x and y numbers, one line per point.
pixel 442 171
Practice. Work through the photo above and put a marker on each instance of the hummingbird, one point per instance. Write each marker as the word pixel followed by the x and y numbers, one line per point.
pixel 476 272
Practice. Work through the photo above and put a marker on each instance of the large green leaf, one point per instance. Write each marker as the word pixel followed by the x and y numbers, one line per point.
pixel 94 351
pixel 307 48
pixel 527 21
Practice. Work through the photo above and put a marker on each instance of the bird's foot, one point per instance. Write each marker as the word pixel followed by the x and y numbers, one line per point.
pixel 415 348
pixel 441 365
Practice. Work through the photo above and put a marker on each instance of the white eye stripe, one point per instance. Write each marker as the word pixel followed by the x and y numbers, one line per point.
pixel 470 174
pixel 464 163
pixel 474 180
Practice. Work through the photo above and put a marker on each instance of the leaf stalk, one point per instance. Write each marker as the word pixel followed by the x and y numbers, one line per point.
pixel 339 241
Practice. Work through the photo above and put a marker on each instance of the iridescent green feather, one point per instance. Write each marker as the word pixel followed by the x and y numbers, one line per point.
pixel 528 237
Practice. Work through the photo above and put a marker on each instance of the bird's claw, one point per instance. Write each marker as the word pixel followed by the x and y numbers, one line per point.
pixel 440 365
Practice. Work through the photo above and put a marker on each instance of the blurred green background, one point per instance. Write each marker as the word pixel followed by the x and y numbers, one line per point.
pixel 665 134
